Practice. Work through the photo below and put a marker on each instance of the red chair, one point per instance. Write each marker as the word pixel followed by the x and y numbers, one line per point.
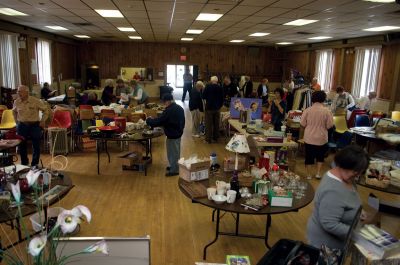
pixel 63 119
pixel 354 113
pixel 85 107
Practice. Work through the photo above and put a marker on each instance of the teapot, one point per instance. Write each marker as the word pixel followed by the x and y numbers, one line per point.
pixel 222 185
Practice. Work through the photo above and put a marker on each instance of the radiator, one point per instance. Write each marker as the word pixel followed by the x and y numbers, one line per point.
pixel 58 140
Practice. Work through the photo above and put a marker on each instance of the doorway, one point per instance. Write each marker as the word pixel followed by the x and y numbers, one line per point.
pixel 175 78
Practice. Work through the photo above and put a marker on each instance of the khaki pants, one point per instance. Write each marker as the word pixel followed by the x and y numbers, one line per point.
pixel 195 121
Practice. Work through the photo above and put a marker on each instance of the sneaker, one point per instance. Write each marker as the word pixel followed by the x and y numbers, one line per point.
pixel 309 177
pixel 318 176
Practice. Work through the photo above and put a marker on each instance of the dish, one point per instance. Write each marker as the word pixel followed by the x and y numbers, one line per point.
pixel 148 133
pixel 219 199
pixel 108 128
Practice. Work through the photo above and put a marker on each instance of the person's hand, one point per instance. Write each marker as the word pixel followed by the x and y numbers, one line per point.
pixel 276 102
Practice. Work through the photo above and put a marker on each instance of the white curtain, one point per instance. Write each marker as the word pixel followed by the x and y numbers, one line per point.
pixel 323 68
pixel 9 61
pixel 366 69
pixel 44 61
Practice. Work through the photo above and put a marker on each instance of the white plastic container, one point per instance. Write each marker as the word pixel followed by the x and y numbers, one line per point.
pixel 36 222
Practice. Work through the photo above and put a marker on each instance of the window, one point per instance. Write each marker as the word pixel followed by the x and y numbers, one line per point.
pixel 9 61
pixel 323 68
pixel 43 61
pixel 366 68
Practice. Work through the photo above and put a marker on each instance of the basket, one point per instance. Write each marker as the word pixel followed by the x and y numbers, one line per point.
pixel 377 183
pixel 35 218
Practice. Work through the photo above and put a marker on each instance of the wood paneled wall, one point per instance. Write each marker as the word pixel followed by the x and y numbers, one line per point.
pixel 344 60
pixel 211 59
pixel 26 55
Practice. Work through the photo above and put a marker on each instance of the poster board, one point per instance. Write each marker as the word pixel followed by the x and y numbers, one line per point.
pixel 238 104
pixel 122 250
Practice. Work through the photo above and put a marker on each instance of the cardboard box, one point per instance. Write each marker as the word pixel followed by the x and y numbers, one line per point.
pixel 280 201
pixel 130 158
pixel 229 162
pixel 198 171
pixel 88 143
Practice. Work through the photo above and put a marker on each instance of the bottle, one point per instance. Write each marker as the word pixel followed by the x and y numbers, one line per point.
pixel 214 162
pixel 235 183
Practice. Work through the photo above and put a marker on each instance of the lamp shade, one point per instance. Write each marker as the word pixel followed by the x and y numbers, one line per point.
pixel 238 144
pixel 396 115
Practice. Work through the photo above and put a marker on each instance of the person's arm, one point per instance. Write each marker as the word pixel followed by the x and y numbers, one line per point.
pixel 45 111
pixel 139 94
pixel 303 120
pixel 334 102
pixel 351 101
pixel 280 106
pixel 330 211
pixel 15 113
pixel 159 121
pixel 329 120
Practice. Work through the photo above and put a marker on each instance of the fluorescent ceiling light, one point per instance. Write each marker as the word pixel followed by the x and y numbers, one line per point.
pixel 109 13
pixel 208 17
pixel 187 39
pixel 383 28
pixel 320 38
pixel 300 22
pixel 135 37
pixel 11 12
pixel 381 1
pixel 284 43
pixel 126 29
pixel 82 36
pixel 56 28
pixel 237 41
pixel 194 31
pixel 259 34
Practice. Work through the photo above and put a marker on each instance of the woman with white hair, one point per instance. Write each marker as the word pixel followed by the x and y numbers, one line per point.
pixel 108 97
pixel 196 107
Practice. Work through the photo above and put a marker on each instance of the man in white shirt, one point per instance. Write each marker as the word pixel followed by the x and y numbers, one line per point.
pixel 366 102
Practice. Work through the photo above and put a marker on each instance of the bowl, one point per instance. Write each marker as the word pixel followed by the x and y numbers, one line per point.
pixel 219 199
pixel 108 128
pixel 147 133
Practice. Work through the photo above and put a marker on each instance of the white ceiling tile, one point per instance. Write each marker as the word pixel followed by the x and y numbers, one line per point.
pixel 100 4
pixel 325 4
pixel 263 3
pixel 245 10
pixel 159 6
pixel 76 4
pixel 218 9
pixel 291 3
pixel 272 12
pixel 130 5
pixel 185 7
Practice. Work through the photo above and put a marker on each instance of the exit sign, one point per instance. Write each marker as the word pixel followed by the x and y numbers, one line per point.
pixel 183 57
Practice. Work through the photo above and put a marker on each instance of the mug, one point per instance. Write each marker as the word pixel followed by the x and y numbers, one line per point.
pixel 211 192
pixel 221 184
pixel 231 194
pixel 221 191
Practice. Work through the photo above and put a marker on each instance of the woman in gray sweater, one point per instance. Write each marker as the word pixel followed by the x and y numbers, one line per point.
pixel 336 200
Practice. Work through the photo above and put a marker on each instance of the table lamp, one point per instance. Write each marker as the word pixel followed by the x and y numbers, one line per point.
pixel 396 115
pixel 237 144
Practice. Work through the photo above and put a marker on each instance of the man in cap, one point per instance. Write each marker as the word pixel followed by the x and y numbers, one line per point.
pixel 173 121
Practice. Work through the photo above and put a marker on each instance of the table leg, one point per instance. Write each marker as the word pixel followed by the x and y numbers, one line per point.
pixel 98 156
pixel 215 239
pixel 237 224
pixel 268 225
pixel 108 154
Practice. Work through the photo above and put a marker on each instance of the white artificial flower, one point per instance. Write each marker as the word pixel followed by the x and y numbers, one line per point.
pixel 32 177
pixel 68 221
pixel 100 246
pixel 82 210
pixel 37 244
pixel 16 191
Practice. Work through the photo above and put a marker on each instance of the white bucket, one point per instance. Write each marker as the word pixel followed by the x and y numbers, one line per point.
pixel 35 218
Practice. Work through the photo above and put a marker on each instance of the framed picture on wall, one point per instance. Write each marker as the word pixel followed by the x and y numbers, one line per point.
pixel 253 104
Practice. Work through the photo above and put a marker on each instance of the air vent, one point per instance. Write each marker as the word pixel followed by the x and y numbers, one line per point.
pixel 304 33
pixel 212 40
pixel 83 24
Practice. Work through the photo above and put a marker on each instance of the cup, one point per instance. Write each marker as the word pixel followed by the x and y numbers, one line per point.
pixel 231 196
pixel 211 192
pixel 221 184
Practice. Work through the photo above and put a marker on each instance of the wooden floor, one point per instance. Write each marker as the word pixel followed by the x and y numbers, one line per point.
pixel 127 203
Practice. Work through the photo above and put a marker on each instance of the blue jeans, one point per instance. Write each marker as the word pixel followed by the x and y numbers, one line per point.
pixel 173 154
pixel 29 132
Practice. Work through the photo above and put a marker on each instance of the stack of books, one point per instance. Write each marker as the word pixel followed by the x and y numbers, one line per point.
pixel 377 241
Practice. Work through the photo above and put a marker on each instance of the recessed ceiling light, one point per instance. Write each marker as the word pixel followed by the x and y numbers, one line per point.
pixel 126 29
pixel 237 41
pixel 208 17
pixel 56 28
pixel 135 37
pixel 300 22
pixel 109 13
pixel 259 34
pixel 194 31
pixel 381 1
pixel 284 43
pixel 186 39
pixel 11 12
pixel 82 36
pixel 382 28
pixel 320 38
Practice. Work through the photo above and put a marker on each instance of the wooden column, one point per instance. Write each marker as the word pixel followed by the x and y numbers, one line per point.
pixel 396 83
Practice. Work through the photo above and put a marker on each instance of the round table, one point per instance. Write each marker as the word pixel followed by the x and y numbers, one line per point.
pixel 238 209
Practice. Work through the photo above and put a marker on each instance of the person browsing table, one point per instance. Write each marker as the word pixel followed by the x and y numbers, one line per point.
pixel 29 125
pixel 173 121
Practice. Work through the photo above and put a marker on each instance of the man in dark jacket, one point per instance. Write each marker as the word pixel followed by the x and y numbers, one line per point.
pixel 262 90
pixel 230 90
pixel 173 121
pixel 214 97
